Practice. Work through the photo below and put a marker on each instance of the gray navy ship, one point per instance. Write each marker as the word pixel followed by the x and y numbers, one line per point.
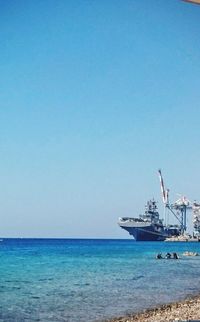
pixel 149 226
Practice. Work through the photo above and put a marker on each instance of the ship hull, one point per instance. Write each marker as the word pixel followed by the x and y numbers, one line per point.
pixel 146 233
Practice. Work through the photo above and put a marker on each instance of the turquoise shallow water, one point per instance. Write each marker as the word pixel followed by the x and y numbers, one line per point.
pixel 89 280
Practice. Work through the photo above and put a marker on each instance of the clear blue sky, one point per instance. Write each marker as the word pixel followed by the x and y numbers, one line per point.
pixel 95 96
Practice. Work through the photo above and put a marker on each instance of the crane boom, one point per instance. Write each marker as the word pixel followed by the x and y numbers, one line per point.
pixel 163 191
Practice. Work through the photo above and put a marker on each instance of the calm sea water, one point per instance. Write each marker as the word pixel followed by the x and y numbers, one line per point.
pixel 89 280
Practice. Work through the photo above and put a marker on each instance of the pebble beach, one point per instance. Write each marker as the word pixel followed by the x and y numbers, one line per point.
pixel 187 310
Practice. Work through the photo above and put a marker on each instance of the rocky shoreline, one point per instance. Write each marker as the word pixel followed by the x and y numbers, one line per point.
pixel 187 310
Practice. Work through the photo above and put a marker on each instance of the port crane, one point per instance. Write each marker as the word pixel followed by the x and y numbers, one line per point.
pixel 196 218
pixel 179 208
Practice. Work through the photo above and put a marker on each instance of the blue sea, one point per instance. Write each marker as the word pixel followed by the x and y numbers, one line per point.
pixel 89 279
